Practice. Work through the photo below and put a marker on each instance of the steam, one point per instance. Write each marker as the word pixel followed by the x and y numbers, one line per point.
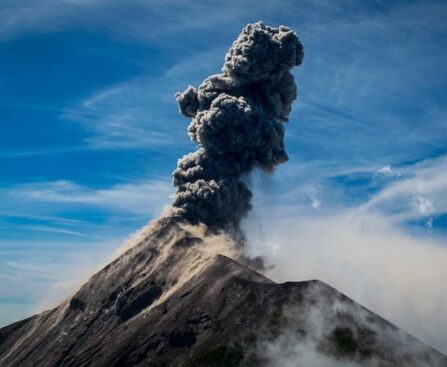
pixel 347 249
pixel 237 123
pixel 339 333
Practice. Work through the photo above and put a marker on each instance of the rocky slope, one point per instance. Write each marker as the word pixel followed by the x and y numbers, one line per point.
pixel 177 299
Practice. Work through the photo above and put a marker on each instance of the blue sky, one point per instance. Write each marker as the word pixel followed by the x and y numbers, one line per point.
pixel 90 130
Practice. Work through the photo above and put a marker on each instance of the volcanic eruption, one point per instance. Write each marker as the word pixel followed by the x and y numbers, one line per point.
pixel 179 296
pixel 237 122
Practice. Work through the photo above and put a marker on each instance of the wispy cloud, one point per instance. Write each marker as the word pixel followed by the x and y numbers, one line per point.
pixel 368 95
pixel 47 249
pixel 51 230
pixel 386 171
pixel 314 195
pixel 420 193
pixel 33 152
pixel 378 102
pixel 144 198
pixel 38 275
pixel 123 19
pixel 142 112
pixel 66 211
pixel 128 116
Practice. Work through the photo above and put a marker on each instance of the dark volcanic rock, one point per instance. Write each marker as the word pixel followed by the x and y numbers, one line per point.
pixel 171 301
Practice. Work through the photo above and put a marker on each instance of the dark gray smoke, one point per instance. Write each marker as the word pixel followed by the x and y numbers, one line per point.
pixel 237 122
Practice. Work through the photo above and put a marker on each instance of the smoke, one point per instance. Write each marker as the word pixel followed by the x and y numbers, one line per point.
pixel 338 333
pixel 237 123
pixel 398 275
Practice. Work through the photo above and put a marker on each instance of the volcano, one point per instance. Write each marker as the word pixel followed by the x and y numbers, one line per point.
pixel 177 298
pixel 185 294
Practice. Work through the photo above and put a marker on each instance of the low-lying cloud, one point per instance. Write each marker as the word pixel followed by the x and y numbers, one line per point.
pixel 369 251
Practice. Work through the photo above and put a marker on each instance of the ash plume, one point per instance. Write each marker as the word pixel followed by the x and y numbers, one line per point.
pixel 237 123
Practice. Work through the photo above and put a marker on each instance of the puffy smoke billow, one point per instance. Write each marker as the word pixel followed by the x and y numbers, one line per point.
pixel 237 122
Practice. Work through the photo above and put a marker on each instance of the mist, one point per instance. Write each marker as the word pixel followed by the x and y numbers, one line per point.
pixel 398 274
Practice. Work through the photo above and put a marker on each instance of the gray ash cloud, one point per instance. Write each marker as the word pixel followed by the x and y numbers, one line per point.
pixel 238 124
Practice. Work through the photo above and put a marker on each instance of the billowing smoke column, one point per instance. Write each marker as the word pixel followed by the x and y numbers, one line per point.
pixel 237 122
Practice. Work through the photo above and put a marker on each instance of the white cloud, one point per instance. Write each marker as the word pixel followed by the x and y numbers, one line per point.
pixel 146 198
pixel 147 20
pixel 424 205
pixel 50 229
pixel 386 171
pixel 39 277
pixel 366 251
pixel 129 115
pixel 314 195
pixel 399 276
pixel 420 193
pixel 142 112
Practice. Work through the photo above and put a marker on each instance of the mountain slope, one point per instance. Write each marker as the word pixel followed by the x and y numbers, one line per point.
pixel 173 300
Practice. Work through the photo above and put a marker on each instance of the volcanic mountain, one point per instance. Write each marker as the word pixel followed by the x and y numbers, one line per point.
pixel 177 298
pixel 184 294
